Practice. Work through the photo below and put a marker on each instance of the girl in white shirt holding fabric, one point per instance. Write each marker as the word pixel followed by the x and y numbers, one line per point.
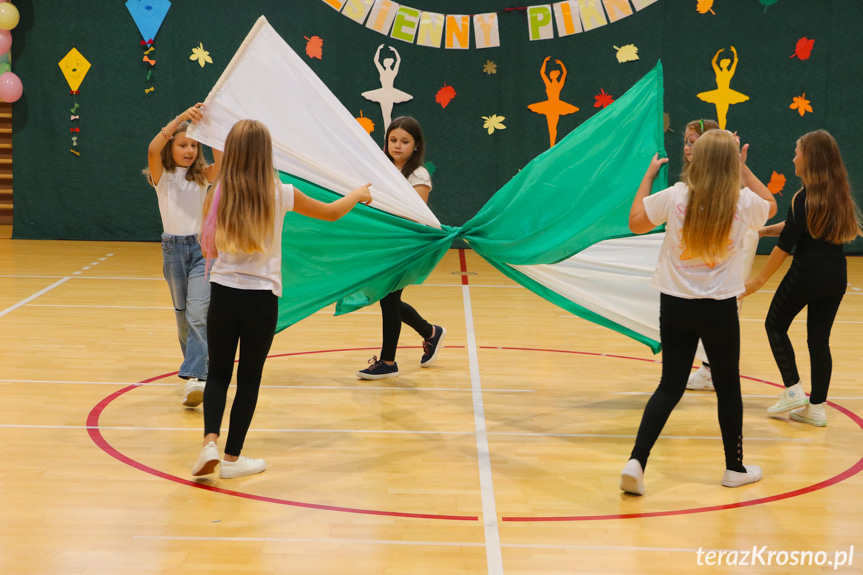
pixel 176 168
pixel 243 219
pixel 700 273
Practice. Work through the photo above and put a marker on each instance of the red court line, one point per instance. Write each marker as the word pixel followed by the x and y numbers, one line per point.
pixel 463 263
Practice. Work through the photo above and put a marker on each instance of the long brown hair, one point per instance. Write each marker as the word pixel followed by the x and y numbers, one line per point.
pixel 713 179
pixel 831 213
pixel 412 127
pixel 196 170
pixel 699 127
pixel 246 207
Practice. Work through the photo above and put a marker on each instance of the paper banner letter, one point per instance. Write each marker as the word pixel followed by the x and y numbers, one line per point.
pixel 405 25
pixel 357 10
pixel 642 4
pixel 74 67
pixel 337 4
pixel 148 15
pixel 591 16
pixel 539 22
pixel 431 30
pixel 486 31
pixel 617 9
pixel 566 16
pixel 457 32
pixel 382 15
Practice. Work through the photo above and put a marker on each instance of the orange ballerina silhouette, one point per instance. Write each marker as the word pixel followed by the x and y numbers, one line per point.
pixel 723 96
pixel 553 108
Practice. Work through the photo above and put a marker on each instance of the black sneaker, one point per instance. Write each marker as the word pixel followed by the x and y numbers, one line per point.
pixel 378 370
pixel 432 346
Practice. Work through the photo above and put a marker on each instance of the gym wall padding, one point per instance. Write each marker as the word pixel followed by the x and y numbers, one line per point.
pixel 101 194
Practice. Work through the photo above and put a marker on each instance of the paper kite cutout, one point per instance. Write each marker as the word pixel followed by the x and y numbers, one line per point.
pixel 553 108
pixel 366 123
pixel 705 6
pixel 626 53
pixel 148 16
pixel 493 122
pixel 445 95
pixel 603 99
pixel 387 95
pixel 74 66
pixel 801 104
pixel 201 55
pixel 314 47
pixel 723 96
pixel 776 183
pixel 489 67
pixel 803 49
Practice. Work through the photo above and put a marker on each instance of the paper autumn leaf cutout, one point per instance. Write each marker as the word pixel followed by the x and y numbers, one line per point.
pixel 201 55
pixel 705 6
pixel 801 104
pixel 767 3
pixel 489 67
pixel 627 53
pixel 803 49
pixel 366 123
pixel 445 95
pixel 314 46
pixel 666 122
pixel 603 99
pixel 493 122
pixel 776 183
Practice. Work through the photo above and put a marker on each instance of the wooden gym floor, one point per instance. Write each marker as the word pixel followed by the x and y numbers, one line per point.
pixel 504 457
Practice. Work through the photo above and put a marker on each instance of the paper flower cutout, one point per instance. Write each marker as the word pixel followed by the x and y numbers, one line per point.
pixel 705 6
pixel 366 123
pixel 777 182
pixel 445 95
pixel 666 122
pixel 767 3
pixel 627 53
pixel 489 67
pixel 199 54
pixel 803 49
pixel 74 67
pixel 801 104
pixel 314 47
pixel 148 15
pixel 493 122
pixel 603 99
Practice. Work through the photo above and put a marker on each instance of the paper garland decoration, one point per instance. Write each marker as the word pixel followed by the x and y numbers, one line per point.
pixel 74 67
pixel 453 31
pixel 148 16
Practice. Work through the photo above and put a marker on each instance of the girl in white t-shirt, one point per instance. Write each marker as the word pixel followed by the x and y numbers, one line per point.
pixel 243 218
pixel 700 273
pixel 405 146
pixel 181 178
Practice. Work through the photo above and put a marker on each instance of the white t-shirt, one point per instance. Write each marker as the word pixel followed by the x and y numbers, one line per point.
pixel 259 271
pixel 681 274
pixel 420 177
pixel 180 203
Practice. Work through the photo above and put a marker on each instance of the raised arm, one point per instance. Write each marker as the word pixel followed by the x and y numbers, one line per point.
pixel 562 71
pixel 542 71
pixel 377 60
pixel 332 211
pixel 713 62
pixel 165 135
pixel 398 61
pixel 753 183
pixel 734 61
pixel 639 223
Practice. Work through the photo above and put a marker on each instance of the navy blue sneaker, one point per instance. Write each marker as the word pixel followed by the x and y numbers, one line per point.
pixel 432 346
pixel 378 370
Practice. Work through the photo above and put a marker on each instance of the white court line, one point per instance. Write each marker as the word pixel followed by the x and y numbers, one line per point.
pixel 34 296
pixel 99 306
pixel 772 395
pixel 494 557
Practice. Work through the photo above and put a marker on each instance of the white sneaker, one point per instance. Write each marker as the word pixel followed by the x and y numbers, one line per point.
pixel 813 414
pixel 701 379
pixel 789 399
pixel 736 479
pixel 632 478
pixel 242 466
pixel 193 392
pixel 207 460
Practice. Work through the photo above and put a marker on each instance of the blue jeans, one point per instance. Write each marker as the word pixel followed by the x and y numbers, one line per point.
pixel 184 269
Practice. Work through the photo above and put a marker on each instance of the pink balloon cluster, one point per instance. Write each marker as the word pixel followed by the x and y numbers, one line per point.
pixel 10 84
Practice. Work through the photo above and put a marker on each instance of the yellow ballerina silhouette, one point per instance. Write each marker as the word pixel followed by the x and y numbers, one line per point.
pixel 723 96
pixel 553 108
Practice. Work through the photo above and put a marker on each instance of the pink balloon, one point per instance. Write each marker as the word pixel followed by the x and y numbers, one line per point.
pixel 10 87
pixel 5 39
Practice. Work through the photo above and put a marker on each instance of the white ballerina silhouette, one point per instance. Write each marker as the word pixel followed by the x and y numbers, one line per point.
pixel 387 94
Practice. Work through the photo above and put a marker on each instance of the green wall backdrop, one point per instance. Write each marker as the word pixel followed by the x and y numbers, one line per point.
pixel 102 195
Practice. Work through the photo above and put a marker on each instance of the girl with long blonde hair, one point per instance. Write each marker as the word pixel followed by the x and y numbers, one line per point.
pixel 243 217
pixel 700 273
pixel 822 217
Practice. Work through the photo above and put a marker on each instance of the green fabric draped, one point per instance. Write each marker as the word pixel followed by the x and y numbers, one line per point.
pixel 575 194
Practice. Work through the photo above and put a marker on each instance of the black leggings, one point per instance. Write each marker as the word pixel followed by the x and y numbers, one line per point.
pixel 394 311
pixel 247 318
pixel 819 284
pixel 681 323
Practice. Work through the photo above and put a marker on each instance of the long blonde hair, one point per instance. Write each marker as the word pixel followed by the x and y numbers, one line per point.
pixel 831 213
pixel 713 179
pixel 246 206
